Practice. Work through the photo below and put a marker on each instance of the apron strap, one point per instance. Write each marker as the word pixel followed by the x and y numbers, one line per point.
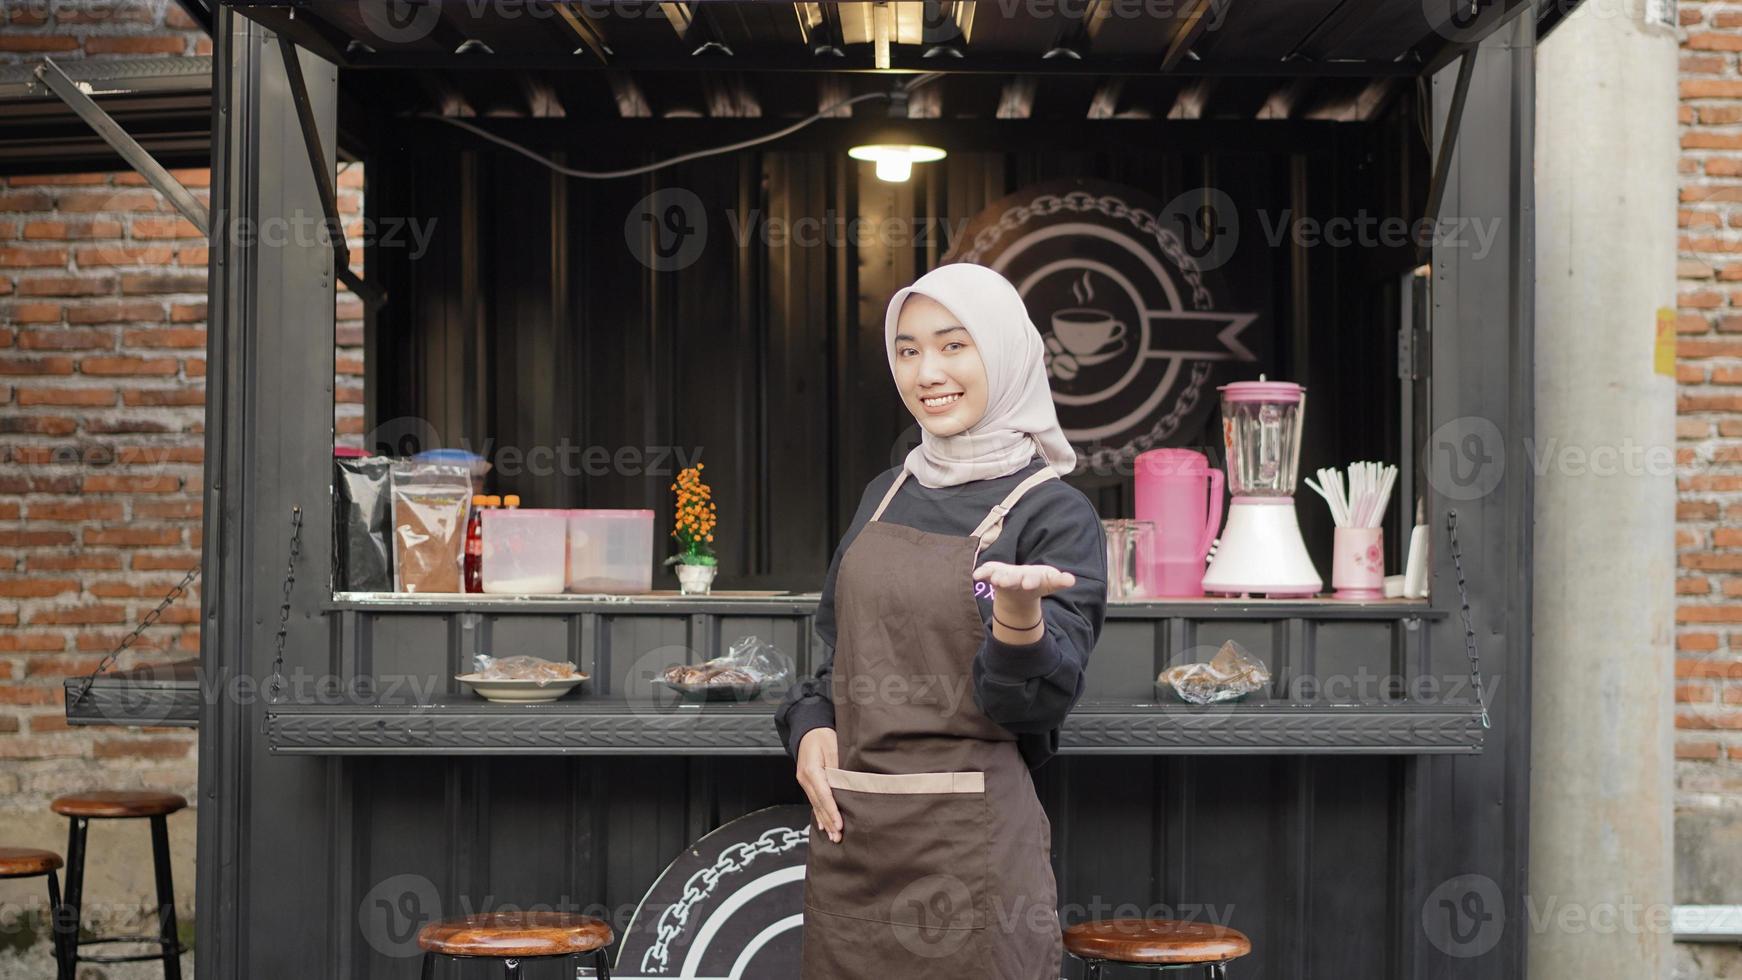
pixel 993 525
pixel 887 497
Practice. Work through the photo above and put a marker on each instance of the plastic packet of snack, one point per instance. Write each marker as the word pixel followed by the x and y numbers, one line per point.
pixel 1232 673
pixel 748 663
pixel 488 668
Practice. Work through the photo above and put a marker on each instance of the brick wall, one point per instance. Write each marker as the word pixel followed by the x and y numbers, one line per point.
pixel 1709 425
pixel 102 394
pixel 97 28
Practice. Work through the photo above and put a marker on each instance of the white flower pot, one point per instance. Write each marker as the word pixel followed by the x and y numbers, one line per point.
pixel 695 579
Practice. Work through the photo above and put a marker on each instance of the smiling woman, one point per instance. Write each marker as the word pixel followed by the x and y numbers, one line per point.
pixel 935 838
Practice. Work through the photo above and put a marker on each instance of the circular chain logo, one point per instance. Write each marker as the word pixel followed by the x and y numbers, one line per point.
pixel 1464 917
pixel 667 230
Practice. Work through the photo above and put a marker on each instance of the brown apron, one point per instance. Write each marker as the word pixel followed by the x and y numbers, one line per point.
pixel 944 867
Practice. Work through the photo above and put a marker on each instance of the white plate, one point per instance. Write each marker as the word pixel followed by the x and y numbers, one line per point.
pixel 520 691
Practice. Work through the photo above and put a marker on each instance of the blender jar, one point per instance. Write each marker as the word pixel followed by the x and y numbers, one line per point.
pixel 1261 428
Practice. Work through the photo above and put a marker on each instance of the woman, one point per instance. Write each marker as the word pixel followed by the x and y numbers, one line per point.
pixel 960 610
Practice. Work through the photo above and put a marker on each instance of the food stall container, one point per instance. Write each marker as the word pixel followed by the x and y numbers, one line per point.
pixel 610 551
pixel 534 308
pixel 524 550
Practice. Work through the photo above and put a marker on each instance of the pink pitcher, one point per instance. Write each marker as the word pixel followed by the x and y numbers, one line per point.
pixel 1179 491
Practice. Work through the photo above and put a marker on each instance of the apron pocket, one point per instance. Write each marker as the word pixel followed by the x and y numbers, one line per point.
pixel 912 862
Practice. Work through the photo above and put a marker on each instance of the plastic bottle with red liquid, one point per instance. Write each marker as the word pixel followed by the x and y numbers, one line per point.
pixel 472 569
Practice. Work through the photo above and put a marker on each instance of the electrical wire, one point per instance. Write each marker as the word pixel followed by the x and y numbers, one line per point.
pixel 683 158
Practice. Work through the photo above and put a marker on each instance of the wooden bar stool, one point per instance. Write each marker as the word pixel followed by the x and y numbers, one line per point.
pixel 1155 944
pixel 515 936
pixel 80 809
pixel 28 862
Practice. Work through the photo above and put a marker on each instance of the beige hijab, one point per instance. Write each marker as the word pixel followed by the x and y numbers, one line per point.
pixel 1020 419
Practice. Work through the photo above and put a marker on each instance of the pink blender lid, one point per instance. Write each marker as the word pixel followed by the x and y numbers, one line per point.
pixel 1262 391
pixel 1172 462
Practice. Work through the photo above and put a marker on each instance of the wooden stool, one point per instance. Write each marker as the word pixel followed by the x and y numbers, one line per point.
pixel 1155 944
pixel 28 862
pixel 80 809
pixel 515 936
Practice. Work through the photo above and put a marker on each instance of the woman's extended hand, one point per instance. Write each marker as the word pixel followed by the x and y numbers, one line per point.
pixel 1016 594
pixel 818 750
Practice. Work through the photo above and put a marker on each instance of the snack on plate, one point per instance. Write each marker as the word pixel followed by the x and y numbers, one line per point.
pixel 712 672
pixel 522 669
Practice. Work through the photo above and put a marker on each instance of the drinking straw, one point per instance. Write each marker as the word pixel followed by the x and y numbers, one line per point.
pixel 1363 502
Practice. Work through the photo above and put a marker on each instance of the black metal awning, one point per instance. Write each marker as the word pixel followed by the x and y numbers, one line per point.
pixel 1272 38
pixel 163 103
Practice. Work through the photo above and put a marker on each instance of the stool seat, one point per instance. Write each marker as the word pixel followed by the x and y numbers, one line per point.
pixel 515 934
pixel 1155 941
pixel 118 803
pixel 26 862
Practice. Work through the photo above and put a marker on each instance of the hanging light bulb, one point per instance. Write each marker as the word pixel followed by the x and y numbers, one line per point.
pixel 895 160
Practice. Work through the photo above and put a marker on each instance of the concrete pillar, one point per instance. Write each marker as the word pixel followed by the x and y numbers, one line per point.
pixel 1601 828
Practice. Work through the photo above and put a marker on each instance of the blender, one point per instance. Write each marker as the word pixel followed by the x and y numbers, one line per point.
pixel 1261 550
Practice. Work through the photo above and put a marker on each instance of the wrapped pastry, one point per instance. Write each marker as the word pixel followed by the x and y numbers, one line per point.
pixel 1232 673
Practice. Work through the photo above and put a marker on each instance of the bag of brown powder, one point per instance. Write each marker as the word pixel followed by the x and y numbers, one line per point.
pixel 431 502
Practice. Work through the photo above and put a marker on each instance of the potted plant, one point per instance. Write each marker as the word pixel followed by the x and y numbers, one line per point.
pixel 694 531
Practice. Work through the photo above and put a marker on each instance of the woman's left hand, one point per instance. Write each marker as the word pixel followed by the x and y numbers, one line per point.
pixel 1023 584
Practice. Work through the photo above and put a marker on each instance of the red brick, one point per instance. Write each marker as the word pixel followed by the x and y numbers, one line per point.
pixel 132 588
pixel 156 228
pixel 78 615
pixel 141 748
pixel 1709 614
pixel 132 537
pixel 128 365
pixel 1702 64
pixel 39 425
pixel 173 44
pixel 191 256
pixel 168 337
pixel 16 642
pixel 86 397
pixel 191 395
pixel 36 365
pixel 38 42
pixel 179 561
pixel 116 311
pixel 90 256
pixel 1710 88
pixel 67 230
pixel 66 286
pixel 187 313
pixel 1693 586
pixel 137 284
pixel 128 483
pixel 75 510
pixel 168 509
pixel 34 313
pixel 1694 642
pixel 1696 751
pixel 66 340
pixel 194 367
pixel 20 201
pixel 37 587
pixel 159 455
pixel 1696 693
pixel 29 694
pixel 33 258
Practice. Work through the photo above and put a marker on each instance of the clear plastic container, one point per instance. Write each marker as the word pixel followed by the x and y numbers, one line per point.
pixel 525 551
pixel 1261 431
pixel 610 551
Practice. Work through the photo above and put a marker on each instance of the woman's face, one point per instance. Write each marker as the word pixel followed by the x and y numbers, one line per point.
pixel 938 369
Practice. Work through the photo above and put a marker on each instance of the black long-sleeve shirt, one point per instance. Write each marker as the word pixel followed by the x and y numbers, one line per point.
pixel 1027 688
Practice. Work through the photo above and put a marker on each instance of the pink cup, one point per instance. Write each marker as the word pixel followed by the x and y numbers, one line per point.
pixel 1358 563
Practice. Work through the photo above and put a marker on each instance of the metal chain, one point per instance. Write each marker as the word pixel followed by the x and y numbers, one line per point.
pixel 175 592
pixel 275 687
pixel 1469 626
